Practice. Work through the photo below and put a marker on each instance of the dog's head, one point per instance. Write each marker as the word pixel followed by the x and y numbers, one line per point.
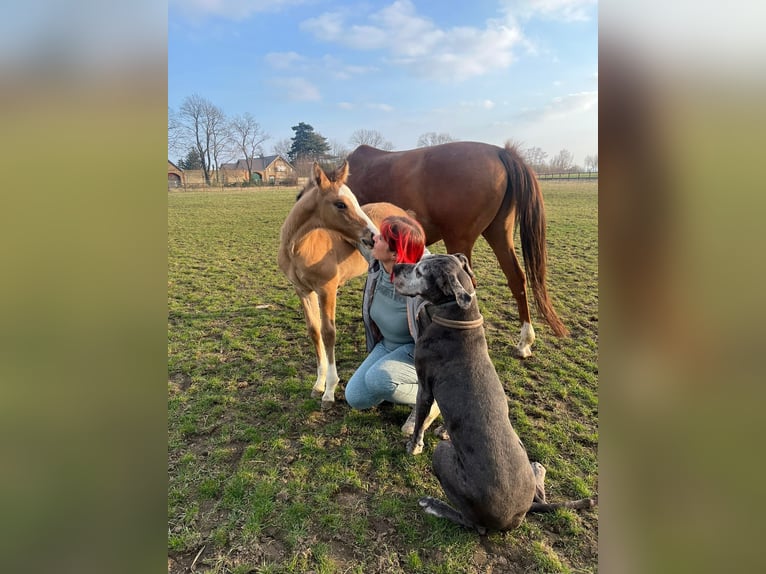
pixel 438 279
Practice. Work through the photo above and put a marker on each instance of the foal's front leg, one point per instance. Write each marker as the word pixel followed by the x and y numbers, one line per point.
pixel 327 300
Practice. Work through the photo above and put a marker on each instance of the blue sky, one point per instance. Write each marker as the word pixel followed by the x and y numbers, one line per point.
pixel 524 70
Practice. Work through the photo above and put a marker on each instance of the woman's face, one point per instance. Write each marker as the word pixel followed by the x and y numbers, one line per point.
pixel 380 250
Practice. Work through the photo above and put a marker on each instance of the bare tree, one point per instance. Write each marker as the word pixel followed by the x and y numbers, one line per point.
pixel 203 126
pixel 535 157
pixel 175 135
pixel 220 138
pixel 338 150
pixel 282 147
pixel 370 137
pixel 247 137
pixel 591 162
pixel 432 138
pixel 562 161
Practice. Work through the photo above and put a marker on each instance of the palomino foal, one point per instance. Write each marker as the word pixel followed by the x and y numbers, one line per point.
pixel 318 252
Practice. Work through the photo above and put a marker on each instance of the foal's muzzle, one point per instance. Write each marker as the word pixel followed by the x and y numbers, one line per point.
pixel 368 241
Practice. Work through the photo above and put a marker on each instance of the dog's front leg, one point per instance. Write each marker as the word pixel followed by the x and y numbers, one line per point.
pixel 423 406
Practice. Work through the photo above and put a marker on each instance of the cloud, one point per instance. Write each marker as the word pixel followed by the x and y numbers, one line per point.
pixel 370 106
pixel 282 60
pixel 381 107
pixel 483 104
pixel 297 89
pixel 341 71
pixel 418 44
pixel 563 10
pixel 561 107
pixel 229 9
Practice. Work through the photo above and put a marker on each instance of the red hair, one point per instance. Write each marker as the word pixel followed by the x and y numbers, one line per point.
pixel 405 237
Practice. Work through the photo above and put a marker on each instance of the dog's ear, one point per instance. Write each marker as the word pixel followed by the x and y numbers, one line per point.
pixel 462 296
pixel 466 266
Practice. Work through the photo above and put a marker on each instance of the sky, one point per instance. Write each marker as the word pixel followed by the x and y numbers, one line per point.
pixel 480 70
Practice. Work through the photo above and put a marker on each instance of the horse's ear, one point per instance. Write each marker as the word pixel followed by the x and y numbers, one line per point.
pixel 462 296
pixel 319 176
pixel 461 257
pixel 341 174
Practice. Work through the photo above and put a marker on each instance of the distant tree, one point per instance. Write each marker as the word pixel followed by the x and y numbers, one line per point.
pixel 432 138
pixel 535 158
pixel 220 138
pixel 175 135
pixel 562 161
pixel 307 144
pixel 191 161
pixel 591 162
pixel 282 148
pixel 370 137
pixel 338 150
pixel 247 137
pixel 202 125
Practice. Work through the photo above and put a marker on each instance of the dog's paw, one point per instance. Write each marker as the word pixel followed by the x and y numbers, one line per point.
pixel 414 447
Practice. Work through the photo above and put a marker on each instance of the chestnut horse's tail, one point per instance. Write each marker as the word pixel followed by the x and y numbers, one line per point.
pixel 524 190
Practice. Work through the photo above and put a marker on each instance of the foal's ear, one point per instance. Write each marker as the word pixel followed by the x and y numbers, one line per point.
pixel 341 173
pixel 462 296
pixel 320 178
pixel 461 257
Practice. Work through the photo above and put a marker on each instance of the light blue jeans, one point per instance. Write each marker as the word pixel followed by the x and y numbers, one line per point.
pixel 387 374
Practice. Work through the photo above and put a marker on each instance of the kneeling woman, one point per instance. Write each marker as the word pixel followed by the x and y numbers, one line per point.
pixel 388 372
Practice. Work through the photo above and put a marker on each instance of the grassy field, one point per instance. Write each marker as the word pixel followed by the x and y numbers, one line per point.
pixel 262 480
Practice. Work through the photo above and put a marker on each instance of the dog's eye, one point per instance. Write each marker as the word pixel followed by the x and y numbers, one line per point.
pixel 340 205
pixel 417 272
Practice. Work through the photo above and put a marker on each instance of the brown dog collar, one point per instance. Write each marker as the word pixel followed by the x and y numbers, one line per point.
pixel 458 324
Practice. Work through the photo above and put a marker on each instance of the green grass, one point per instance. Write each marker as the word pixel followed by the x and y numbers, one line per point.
pixel 267 482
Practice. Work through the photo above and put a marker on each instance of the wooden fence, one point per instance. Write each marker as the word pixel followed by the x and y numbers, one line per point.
pixel 577 175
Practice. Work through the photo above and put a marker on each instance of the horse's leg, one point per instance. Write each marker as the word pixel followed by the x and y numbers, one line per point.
pixel 327 299
pixel 310 305
pixel 499 235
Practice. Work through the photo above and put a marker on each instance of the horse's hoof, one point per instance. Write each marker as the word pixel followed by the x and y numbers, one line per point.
pixel 414 448
pixel 524 351
pixel 316 394
pixel 327 405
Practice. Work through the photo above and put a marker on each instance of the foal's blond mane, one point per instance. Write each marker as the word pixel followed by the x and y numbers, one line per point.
pixel 300 215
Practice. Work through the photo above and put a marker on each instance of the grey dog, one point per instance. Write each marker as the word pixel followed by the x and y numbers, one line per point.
pixel 483 467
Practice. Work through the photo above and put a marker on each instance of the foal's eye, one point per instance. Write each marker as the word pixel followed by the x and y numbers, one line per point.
pixel 340 205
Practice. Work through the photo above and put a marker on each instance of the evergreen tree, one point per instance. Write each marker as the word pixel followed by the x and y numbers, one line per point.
pixel 191 161
pixel 307 144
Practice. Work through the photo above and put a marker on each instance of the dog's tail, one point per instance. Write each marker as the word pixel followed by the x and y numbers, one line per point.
pixel 582 504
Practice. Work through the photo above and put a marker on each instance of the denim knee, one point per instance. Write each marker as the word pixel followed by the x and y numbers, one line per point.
pixel 356 393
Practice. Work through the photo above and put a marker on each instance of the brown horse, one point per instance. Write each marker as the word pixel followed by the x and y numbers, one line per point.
pixel 318 252
pixel 461 190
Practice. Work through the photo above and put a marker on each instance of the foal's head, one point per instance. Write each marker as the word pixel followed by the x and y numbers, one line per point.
pixel 336 207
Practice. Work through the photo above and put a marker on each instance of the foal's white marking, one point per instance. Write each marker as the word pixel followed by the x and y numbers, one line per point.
pixel 331 383
pixel 344 191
